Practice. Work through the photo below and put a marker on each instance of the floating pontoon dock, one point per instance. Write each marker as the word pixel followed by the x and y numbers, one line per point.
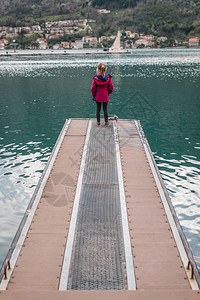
pixel 100 224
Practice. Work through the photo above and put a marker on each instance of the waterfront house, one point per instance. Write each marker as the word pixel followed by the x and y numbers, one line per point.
pixel 93 42
pixel 194 42
pixel 79 44
pixel 43 46
pixel 90 41
pixel 42 43
pixel 2 45
pixel 73 45
pixel 65 45
pixel 57 46
pixel 141 42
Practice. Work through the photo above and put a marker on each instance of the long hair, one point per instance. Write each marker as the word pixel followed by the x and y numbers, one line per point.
pixel 102 68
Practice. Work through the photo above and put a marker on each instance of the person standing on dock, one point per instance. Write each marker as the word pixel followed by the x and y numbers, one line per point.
pixel 102 86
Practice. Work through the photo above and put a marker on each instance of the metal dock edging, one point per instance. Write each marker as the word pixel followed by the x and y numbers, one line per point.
pixel 21 233
pixel 179 236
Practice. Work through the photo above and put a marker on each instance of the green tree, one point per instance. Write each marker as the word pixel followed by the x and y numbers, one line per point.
pixel 10 21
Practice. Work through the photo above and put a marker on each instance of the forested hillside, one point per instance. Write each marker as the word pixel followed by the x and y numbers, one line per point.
pixel 174 18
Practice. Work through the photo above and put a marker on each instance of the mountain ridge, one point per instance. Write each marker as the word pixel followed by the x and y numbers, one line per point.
pixel 173 18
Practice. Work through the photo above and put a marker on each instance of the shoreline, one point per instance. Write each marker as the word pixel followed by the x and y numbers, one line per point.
pixel 9 53
pixel 59 52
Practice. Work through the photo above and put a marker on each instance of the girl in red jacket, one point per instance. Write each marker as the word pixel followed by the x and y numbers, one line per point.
pixel 102 86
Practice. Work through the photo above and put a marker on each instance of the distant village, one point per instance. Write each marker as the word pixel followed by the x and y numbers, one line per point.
pixel 51 35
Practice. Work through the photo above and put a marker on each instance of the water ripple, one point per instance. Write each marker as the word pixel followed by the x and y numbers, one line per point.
pixel 21 167
pixel 159 87
pixel 182 179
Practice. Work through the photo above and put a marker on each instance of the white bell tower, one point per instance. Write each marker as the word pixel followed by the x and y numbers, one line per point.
pixel 116 47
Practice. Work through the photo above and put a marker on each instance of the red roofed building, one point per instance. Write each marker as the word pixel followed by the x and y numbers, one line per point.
pixel 89 40
pixel 175 43
pixel 73 45
pixel 57 46
pixel 135 35
pixel 141 42
pixel 194 42
pixel 79 44
pixel 149 37
pixel 43 45
pixel 5 41
pixel 65 45
pixel 128 33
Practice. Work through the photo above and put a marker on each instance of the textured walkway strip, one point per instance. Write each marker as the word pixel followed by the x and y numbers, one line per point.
pixel 98 258
pixel 70 238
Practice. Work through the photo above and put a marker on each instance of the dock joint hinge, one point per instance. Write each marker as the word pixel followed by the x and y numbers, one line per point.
pixel 190 264
pixel 6 266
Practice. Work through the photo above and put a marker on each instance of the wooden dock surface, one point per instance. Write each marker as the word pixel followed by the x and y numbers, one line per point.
pixel 159 260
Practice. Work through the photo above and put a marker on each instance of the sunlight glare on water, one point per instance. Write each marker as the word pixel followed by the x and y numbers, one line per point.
pixel 158 87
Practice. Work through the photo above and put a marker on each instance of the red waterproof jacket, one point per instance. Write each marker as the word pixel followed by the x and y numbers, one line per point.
pixel 102 87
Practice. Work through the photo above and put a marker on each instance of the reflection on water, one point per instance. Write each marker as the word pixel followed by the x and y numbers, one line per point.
pixel 182 177
pixel 159 87
pixel 21 166
pixel 180 63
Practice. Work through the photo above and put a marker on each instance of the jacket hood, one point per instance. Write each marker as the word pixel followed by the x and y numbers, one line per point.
pixel 100 80
pixel 99 76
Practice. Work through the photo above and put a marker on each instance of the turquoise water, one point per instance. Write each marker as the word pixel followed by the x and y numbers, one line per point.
pixel 159 87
